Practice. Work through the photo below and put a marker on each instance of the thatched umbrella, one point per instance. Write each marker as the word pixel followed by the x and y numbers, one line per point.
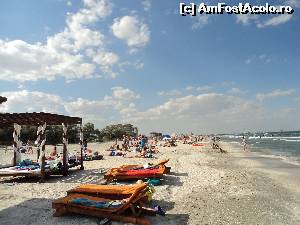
pixel 2 99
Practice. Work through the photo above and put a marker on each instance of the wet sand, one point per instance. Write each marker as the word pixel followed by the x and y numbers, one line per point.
pixel 204 187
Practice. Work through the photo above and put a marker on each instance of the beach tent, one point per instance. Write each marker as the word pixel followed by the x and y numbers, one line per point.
pixel 41 120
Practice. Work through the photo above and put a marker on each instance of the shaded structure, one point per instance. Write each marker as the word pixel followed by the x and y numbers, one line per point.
pixel 41 120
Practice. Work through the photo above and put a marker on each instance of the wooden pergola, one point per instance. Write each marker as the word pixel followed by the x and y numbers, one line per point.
pixel 41 120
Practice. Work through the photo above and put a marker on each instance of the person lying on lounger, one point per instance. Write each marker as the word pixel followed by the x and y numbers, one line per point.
pixel 154 149
pixel 143 154
pixel 116 153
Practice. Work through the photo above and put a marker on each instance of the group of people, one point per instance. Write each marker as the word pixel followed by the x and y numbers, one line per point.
pixel 26 148
pixel 141 146
pixel 192 139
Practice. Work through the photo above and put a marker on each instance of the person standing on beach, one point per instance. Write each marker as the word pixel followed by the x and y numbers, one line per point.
pixel 244 143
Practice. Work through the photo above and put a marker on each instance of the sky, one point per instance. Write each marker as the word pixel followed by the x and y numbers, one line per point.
pixel 141 62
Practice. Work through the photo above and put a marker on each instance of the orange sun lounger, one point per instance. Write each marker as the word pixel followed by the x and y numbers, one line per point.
pixel 129 201
pixel 110 191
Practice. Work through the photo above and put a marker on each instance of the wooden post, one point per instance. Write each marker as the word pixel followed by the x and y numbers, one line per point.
pixel 65 163
pixel 42 155
pixel 38 153
pixel 15 159
pixel 65 150
pixel 43 165
pixel 38 141
pixel 14 146
pixel 81 147
pixel 16 142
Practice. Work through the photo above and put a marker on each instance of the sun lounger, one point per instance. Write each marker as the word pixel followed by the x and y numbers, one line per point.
pixel 135 174
pixel 16 172
pixel 110 191
pixel 134 167
pixel 126 206
pixel 198 145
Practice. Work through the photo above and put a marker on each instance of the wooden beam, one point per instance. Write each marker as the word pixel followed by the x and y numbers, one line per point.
pixel 36 119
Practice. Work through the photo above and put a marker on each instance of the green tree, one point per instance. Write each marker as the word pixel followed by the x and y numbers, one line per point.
pixel 89 132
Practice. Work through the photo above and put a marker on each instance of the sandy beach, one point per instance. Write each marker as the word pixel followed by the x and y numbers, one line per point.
pixel 204 187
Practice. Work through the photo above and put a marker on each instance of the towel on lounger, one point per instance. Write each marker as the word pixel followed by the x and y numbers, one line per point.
pixel 96 204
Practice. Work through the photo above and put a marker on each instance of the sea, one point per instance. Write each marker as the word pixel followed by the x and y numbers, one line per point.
pixel 284 145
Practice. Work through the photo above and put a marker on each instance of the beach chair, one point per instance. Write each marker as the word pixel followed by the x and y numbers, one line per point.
pixel 134 167
pixel 126 205
pixel 135 174
pixel 115 192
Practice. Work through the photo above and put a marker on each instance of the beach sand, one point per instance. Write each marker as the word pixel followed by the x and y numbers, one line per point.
pixel 204 187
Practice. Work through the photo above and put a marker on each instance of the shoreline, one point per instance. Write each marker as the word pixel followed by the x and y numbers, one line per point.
pixel 282 172
pixel 279 168
pixel 204 187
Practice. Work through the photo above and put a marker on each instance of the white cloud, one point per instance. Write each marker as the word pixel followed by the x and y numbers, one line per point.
pixel 204 112
pixel 106 58
pixel 248 61
pixel 77 52
pixel 169 93
pixel 275 20
pixel 133 31
pixel 146 4
pixel 289 110
pixel 204 88
pixel 189 88
pixel 22 61
pixel 207 113
pixel 69 3
pixel 245 19
pixel 26 101
pixel 123 93
pixel 227 83
pixel 137 65
pixel 200 21
pixel 293 3
pixel 274 94
pixel 236 91
pixel 110 108
pixel 263 58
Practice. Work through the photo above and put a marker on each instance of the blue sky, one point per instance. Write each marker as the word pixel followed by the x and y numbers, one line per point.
pixel 141 62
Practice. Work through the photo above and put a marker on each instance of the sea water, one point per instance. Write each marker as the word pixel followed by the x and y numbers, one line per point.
pixel 282 145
